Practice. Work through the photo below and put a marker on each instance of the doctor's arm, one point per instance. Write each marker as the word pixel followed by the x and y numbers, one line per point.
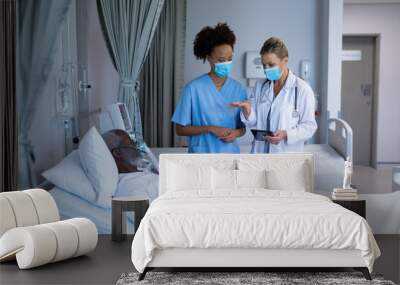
pixel 307 125
pixel 248 109
pixel 245 106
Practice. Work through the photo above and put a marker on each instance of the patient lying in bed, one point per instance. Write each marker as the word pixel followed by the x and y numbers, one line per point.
pixel 123 149
pixel 127 158
pixel 79 194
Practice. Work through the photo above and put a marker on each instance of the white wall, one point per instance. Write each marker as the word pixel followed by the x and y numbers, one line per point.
pixel 253 21
pixel 383 19
pixel 297 23
pixel 331 46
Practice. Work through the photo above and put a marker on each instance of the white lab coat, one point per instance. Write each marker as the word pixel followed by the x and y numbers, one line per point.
pixel 299 128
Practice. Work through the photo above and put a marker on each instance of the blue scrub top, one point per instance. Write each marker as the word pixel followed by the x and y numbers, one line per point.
pixel 202 104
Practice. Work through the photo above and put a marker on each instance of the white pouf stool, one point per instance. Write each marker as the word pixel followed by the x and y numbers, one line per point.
pixel 31 230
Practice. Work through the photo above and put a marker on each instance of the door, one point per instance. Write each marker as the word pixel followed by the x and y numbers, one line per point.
pixel 357 100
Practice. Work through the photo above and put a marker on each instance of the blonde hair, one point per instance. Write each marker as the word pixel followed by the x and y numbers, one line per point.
pixel 275 45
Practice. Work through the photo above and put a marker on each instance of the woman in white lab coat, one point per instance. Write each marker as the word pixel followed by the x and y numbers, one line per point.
pixel 283 104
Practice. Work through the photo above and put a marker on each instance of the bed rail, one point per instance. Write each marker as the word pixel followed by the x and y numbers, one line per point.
pixel 340 137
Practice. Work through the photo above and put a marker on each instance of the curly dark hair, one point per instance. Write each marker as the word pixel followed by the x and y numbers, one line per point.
pixel 210 37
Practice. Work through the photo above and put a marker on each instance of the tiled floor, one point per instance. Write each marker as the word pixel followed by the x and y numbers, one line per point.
pixel 109 260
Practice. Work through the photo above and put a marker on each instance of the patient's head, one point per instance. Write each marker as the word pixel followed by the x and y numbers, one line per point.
pixel 123 149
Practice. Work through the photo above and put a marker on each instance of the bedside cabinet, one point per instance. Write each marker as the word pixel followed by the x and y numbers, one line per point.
pixel 356 206
pixel 119 207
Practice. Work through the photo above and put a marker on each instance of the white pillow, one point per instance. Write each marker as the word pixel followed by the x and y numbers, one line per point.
pixel 282 173
pixel 293 178
pixel 223 179
pixel 99 166
pixel 69 176
pixel 182 177
pixel 251 178
pixel 226 179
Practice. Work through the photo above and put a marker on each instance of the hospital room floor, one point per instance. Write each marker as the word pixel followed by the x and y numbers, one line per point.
pixel 103 266
pixel 111 259
pixel 370 180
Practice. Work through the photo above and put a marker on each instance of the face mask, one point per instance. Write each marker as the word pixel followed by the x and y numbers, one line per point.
pixel 273 73
pixel 223 69
pixel 132 161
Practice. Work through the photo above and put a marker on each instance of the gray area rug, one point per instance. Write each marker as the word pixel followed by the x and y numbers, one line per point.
pixel 244 278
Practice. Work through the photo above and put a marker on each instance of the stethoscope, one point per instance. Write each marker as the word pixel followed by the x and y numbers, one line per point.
pixel 263 99
pixel 295 113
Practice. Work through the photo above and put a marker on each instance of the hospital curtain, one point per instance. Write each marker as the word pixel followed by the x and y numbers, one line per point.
pixel 162 76
pixel 38 25
pixel 128 28
pixel 8 121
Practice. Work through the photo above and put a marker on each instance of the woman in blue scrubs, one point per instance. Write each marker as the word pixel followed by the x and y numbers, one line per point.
pixel 203 113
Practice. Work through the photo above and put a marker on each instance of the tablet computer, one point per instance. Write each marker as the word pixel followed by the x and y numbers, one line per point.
pixel 259 134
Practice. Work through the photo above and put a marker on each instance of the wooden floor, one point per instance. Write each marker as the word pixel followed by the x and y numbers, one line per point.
pixel 110 260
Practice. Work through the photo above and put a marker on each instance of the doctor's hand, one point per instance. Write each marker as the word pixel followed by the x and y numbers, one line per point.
pixel 245 105
pixel 277 137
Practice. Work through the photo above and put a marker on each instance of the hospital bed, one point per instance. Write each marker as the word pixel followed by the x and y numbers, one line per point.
pixel 329 158
pixel 71 205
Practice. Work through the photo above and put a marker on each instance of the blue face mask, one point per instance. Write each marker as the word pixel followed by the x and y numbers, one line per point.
pixel 223 69
pixel 273 73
